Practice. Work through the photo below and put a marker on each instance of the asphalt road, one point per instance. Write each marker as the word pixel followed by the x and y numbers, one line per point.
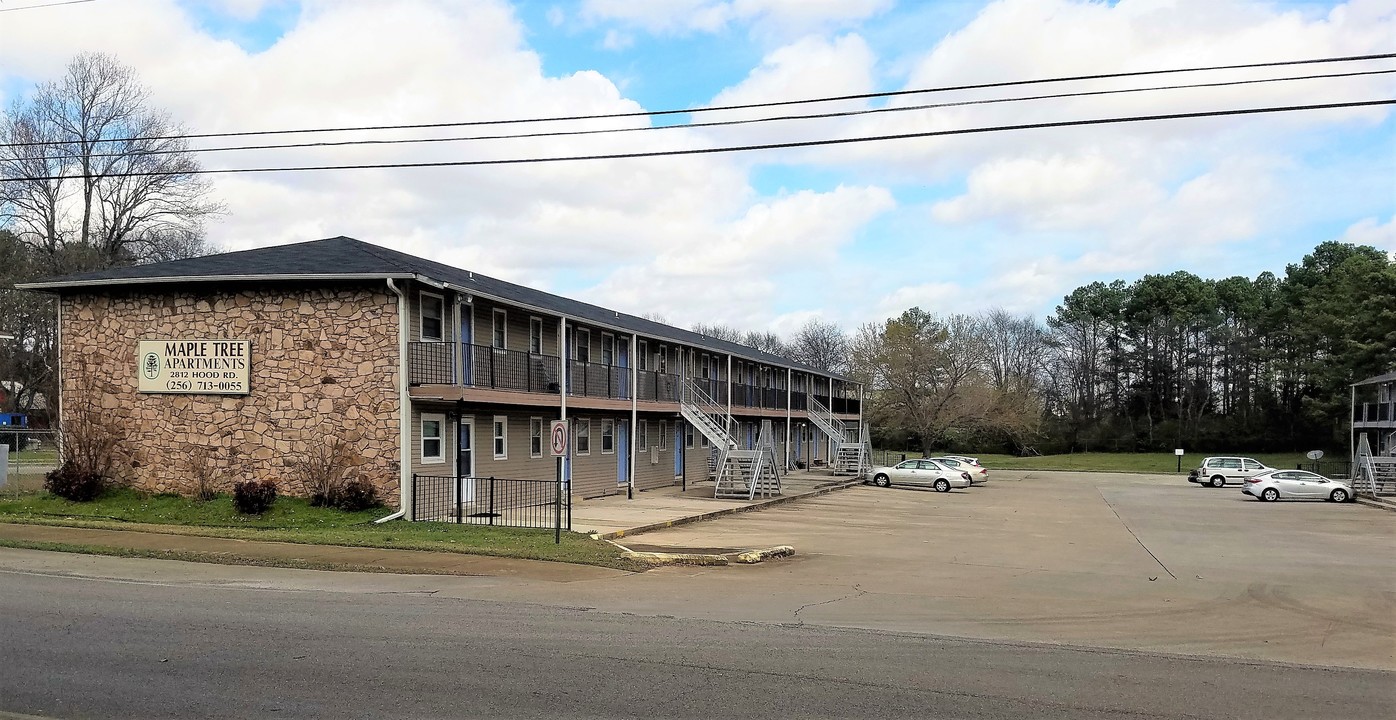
pixel 80 647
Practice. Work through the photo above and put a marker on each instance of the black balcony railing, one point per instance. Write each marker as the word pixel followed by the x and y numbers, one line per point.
pixel 491 501
pixel 589 379
pixel 656 386
pixel 798 401
pixel 1374 412
pixel 445 363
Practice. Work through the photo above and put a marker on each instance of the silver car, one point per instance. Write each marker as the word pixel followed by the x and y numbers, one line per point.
pixel 1218 471
pixel 978 474
pixel 921 473
pixel 1275 484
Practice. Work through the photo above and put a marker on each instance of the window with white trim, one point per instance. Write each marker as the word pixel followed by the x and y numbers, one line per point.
pixel 608 437
pixel 688 435
pixel 535 335
pixel 702 441
pixel 433 311
pixel 661 359
pixel 642 435
pixel 581 442
pixel 663 434
pixel 501 329
pixel 705 367
pixel 643 356
pixel 582 352
pixel 432 434
pixel 535 437
pixel 501 437
pixel 608 349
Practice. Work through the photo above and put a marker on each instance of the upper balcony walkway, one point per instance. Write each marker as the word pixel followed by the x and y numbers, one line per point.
pixel 489 369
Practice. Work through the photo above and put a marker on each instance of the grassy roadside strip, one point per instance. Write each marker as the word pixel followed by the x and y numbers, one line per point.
pixel 292 520
pixel 218 558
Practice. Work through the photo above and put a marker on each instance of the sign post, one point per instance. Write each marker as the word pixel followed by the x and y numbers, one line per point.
pixel 559 435
pixel 1179 453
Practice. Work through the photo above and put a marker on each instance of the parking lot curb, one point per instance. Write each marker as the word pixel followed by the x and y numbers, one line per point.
pixel 663 558
pixel 756 556
pixel 729 511
pixel 1381 504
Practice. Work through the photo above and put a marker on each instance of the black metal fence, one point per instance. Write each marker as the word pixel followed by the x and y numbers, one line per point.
pixel 448 363
pixel 491 501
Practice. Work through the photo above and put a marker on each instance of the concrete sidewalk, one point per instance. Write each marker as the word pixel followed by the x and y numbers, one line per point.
pixel 615 516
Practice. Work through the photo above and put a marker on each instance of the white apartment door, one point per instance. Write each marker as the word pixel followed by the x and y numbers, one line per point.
pixel 465 457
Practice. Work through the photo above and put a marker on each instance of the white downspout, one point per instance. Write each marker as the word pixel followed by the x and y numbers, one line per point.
pixel 789 397
pixel 404 425
pixel 634 412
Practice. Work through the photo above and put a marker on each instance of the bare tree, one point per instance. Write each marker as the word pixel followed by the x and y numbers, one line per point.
pixel 765 342
pixel 821 345
pixel 87 164
pixel 720 332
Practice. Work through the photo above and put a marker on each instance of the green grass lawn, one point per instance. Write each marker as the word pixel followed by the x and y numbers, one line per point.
pixel 1113 462
pixel 294 520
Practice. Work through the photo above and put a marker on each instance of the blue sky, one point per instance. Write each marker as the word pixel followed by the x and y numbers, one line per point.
pixel 766 241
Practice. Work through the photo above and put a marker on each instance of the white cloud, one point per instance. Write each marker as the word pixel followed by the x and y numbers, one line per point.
pixel 1371 231
pixel 617 40
pixel 779 17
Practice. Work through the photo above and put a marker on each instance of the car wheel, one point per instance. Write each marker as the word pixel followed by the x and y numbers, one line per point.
pixel 1270 495
pixel 882 481
pixel 1339 495
pixel 942 485
pixel 1218 481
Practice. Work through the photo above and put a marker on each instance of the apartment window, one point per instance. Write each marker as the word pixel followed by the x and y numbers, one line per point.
pixel 433 310
pixel 705 367
pixel 582 442
pixel 582 351
pixel 608 437
pixel 608 349
pixel 663 434
pixel 661 359
pixel 702 441
pixel 535 437
pixel 535 335
pixel 501 437
pixel 688 435
pixel 643 355
pixel 642 435
pixel 501 329
pixel 433 449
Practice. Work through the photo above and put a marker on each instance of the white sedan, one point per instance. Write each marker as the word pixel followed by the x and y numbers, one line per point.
pixel 1272 485
pixel 921 473
pixel 978 474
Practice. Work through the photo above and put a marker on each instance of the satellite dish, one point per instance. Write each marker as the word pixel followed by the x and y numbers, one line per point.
pixel 1315 454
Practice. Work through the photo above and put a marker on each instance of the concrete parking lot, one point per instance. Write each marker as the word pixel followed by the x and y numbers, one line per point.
pixel 1116 560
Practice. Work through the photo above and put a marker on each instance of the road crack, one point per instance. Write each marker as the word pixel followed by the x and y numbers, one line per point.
pixel 857 593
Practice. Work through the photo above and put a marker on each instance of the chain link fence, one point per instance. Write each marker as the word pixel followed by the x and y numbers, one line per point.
pixel 32 453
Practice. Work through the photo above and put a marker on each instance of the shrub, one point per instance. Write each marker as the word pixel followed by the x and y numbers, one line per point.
pixel 202 473
pixel 72 482
pixel 354 495
pixel 253 497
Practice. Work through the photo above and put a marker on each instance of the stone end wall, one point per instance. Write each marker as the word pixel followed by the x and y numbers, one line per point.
pixel 324 365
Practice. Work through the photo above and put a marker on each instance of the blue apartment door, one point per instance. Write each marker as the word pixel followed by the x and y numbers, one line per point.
pixel 678 449
pixel 623 360
pixel 465 350
pixel 623 453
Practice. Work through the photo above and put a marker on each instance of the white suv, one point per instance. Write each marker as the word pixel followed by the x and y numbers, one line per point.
pixel 1218 471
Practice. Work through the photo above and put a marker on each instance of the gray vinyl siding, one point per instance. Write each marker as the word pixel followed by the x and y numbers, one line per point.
pixel 448 445
pixel 414 296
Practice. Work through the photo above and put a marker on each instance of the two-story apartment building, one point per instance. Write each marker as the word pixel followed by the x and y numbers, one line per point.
pixel 426 369
pixel 1374 413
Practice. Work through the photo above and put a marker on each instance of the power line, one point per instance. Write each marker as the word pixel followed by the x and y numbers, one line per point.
pixel 746 106
pixel 45 5
pixel 722 123
pixel 745 148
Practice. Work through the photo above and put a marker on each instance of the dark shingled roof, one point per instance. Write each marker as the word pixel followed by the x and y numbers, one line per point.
pixel 343 258
pixel 1377 380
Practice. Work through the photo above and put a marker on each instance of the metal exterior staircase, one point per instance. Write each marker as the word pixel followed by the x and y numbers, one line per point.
pixel 854 458
pixel 1373 475
pixel 823 419
pixel 745 474
pixel 705 414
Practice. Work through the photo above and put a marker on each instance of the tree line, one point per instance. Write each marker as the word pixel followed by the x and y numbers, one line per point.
pixel 72 200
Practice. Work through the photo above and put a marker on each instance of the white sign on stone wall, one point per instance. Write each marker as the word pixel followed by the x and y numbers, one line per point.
pixel 194 367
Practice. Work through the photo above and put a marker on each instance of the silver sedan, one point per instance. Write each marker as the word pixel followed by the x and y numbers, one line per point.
pixel 921 473
pixel 1272 485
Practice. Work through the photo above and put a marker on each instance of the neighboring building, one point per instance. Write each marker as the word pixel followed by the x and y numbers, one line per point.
pixel 426 369
pixel 1374 413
